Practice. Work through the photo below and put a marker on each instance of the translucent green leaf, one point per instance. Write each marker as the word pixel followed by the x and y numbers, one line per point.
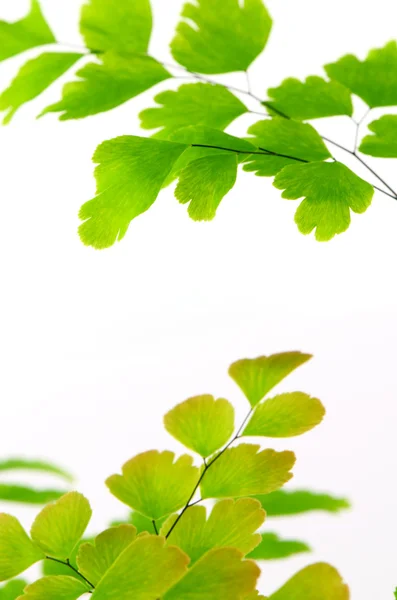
pixel 55 588
pixel 20 493
pixel 52 567
pixel 273 547
pixel 198 103
pixel 257 376
pixel 221 36
pixel 154 483
pixel 330 191
pixel 141 523
pixel 18 552
pixel 105 85
pixel 298 141
pixel 144 571
pixel 202 423
pixel 230 524
pixel 29 32
pixel 311 99
pixel 26 464
pixel 129 176
pixel 384 141
pixel 121 26
pixel 294 502
pixel 285 415
pixel 244 471
pixel 318 581
pixel 12 589
pixel 374 79
pixel 60 525
pixel 221 574
pixel 95 559
pixel 204 183
pixel 33 78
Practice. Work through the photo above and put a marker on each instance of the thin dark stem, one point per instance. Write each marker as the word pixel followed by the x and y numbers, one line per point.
pixel 366 165
pixel 67 564
pixel 156 531
pixel 263 152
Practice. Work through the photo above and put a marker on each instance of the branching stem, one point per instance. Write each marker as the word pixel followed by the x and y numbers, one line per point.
pixel 68 564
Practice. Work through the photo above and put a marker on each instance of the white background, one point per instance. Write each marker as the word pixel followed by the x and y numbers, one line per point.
pixel 96 346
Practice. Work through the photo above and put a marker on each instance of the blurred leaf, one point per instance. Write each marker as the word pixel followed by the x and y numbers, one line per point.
pixel 255 596
pixel 13 589
pixel 18 552
pixel 316 582
pixel 140 522
pixel 231 523
pixel 244 471
pixel 55 588
pixel 273 547
pixel 220 36
pixel 52 567
pixel 154 483
pixel 27 495
pixel 29 32
pixel 60 525
pixel 384 141
pixel 257 376
pixel 294 502
pixel 26 464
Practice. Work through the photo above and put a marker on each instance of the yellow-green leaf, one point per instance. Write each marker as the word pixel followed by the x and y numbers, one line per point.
pixel 154 483
pixel 202 423
pixel 55 587
pixel 295 502
pixel 285 415
pixel 273 547
pixel 60 525
pixel 245 471
pixel 383 142
pixel 13 589
pixel 232 523
pixel 316 582
pixel 18 552
pixel 257 376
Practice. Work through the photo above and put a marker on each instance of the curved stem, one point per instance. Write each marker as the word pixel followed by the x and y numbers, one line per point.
pixel 68 564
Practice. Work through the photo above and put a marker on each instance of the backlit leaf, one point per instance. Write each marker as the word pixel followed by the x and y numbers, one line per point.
pixel 384 141
pixel 29 32
pixel 374 79
pixel 285 415
pixel 144 571
pixel 221 574
pixel 60 525
pixel 18 552
pixel 140 522
pixel 52 567
pixel 198 103
pixel 26 464
pixel 294 502
pixel 316 582
pixel 202 423
pixel 255 596
pixel 299 141
pixel 129 176
pixel 311 99
pixel 95 559
pixel 257 376
pixel 13 589
pixel 330 191
pixel 154 483
pixel 232 523
pixel 55 588
pixel 105 85
pixel 273 547
pixel 11 492
pixel 220 36
pixel 245 471
pixel 121 26
pixel 33 78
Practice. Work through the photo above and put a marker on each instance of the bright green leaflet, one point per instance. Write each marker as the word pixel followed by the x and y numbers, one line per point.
pixel 245 471
pixel 55 588
pixel 202 423
pixel 273 547
pixel 331 191
pixel 226 35
pixel 287 137
pixel 28 495
pixel 13 589
pixel 384 141
pixel 105 85
pixel 204 183
pixel 129 177
pixel 120 26
pixel 318 581
pixel 312 99
pixel 374 79
pixel 198 103
pixel 294 502
pixel 60 525
pixel 144 571
pixel 18 552
pixel 29 32
pixel 231 524
pixel 33 78
pixel 285 415
pixel 26 464
pixel 51 567
pixel 257 376
pixel 156 496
